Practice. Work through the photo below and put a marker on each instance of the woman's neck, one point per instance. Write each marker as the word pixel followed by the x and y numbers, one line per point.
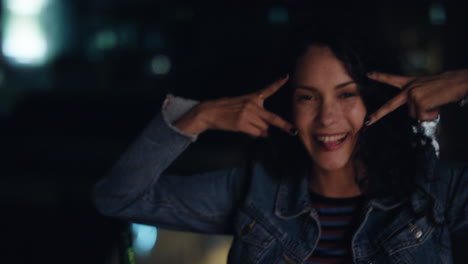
pixel 334 184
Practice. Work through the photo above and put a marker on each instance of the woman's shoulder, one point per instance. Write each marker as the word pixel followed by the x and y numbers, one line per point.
pixel 450 169
pixel 449 185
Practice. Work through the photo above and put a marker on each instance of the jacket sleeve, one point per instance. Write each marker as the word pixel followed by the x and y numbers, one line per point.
pixel 136 191
pixel 456 177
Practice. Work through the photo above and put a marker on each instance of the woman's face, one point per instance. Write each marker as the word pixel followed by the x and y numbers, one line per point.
pixel 328 109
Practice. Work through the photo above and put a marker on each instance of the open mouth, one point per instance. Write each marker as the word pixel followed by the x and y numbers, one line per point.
pixel 332 141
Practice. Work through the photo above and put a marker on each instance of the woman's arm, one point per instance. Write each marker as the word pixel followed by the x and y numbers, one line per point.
pixel 136 191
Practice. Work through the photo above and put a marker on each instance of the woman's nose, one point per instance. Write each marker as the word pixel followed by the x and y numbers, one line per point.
pixel 328 113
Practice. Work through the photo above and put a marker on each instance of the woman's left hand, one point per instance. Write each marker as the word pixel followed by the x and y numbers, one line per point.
pixel 424 95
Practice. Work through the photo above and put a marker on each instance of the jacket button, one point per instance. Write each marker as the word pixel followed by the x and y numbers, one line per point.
pixel 417 233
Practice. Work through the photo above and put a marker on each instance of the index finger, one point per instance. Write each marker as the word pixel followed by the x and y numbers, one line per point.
pixel 275 120
pixel 388 107
pixel 391 79
pixel 272 88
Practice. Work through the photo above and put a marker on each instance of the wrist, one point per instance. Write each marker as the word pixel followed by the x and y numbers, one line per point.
pixel 193 122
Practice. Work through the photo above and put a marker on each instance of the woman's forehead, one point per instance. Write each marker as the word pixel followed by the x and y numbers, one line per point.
pixel 320 67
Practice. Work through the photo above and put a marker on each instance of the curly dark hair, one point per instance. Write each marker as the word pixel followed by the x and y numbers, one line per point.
pixel 392 151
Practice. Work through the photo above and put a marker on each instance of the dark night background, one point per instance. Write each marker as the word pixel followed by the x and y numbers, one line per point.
pixel 64 123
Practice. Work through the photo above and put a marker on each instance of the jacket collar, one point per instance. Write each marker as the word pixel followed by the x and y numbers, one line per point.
pixel 293 198
pixel 423 198
pixel 428 193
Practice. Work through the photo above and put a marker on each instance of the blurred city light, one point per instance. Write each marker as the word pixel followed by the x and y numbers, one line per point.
pixel 278 15
pixel 25 41
pixel 25 7
pixel 415 60
pixel 105 39
pixel 144 238
pixel 160 65
pixel 437 14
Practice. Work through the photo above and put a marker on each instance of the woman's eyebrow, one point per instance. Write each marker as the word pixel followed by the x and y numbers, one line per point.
pixel 344 84
pixel 339 86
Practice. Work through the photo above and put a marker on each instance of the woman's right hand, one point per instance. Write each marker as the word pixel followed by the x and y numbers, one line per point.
pixel 424 95
pixel 240 114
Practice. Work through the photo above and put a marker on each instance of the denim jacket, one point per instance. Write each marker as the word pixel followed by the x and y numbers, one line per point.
pixel 272 220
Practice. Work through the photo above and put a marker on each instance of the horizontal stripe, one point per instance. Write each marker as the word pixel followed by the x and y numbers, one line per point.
pixel 344 225
pixel 327 218
pixel 317 260
pixel 333 252
pixel 338 201
pixel 333 232
pixel 332 243
pixel 345 210
pixel 332 237
pixel 336 218
pixel 338 243
pixel 326 205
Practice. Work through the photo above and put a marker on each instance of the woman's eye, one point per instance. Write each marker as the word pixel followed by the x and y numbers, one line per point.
pixel 347 95
pixel 305 97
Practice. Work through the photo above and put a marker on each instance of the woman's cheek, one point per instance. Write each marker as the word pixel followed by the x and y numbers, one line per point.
pixel 355 110
pixel 304 110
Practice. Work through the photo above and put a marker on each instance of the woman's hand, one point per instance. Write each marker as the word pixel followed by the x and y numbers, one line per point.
pixel 240 114
pixel 424 95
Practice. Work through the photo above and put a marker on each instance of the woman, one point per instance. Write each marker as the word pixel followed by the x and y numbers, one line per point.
pixel 331 190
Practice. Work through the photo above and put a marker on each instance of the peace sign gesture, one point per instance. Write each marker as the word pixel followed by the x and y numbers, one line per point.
pixel 424 95
pixel 240 114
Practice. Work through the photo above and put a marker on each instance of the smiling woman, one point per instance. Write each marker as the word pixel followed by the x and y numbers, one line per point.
pixel 329 113
pixel 329 189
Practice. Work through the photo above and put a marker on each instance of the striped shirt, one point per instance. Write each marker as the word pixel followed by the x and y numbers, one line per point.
pixel 337 218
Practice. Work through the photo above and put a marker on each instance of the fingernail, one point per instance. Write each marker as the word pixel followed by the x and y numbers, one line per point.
pixel 368 74
pixel 293 131
pixel 367 121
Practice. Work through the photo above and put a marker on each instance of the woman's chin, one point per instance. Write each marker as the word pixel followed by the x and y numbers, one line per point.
pixel 330 165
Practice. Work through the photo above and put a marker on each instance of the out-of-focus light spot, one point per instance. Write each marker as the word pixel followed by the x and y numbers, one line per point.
pixel 278 15
pixel 24 41
pixel 437 14
pixel 106 39
pixel 25 7
pixel 417 59
pixel 160 65
pixel 144 238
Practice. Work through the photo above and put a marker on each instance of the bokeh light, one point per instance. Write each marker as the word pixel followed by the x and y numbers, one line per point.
pixel 24 41
pixel 144 238
pixel 437 14
pixel 25 7
pixel 278 15
pixel 160 65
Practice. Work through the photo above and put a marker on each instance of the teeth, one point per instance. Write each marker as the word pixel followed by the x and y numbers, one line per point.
pixel 331 138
